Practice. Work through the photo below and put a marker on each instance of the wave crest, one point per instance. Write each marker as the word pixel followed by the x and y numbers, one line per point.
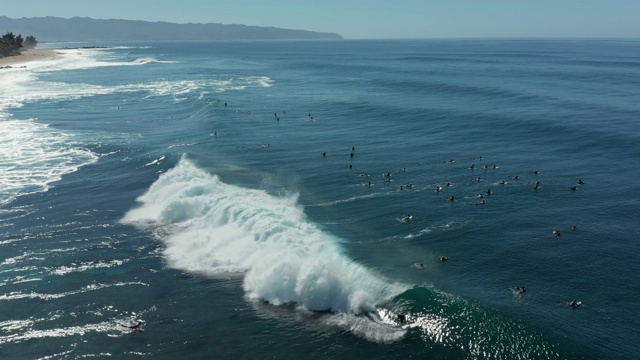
pixel 213 228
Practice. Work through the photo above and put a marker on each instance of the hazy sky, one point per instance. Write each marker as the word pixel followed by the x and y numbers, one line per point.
pixel 357 19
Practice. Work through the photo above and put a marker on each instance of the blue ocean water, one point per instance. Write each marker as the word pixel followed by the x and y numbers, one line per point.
pixel 247 200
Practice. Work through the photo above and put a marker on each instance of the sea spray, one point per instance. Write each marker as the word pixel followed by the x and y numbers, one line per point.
pixel 213 228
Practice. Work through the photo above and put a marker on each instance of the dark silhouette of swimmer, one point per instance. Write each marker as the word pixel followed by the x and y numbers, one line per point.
pixel 225 104
pixel 353 148
pixel 522 290
pixel 135 326
pixel 402 318
pixel 351 155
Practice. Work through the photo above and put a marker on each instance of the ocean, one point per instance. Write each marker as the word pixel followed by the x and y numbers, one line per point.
pixel 354 199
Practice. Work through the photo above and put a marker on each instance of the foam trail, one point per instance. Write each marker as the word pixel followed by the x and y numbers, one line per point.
pixel 213 228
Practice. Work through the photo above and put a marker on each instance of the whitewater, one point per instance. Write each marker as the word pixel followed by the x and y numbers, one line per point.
pixel 249 199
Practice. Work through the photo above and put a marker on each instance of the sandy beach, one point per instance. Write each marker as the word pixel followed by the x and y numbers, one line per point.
pixel 28 56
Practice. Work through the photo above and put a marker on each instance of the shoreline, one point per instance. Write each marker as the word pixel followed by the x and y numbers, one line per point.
pixel 27 56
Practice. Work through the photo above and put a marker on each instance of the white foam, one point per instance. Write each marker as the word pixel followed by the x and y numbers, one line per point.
pixel 32 156
pixel 214 228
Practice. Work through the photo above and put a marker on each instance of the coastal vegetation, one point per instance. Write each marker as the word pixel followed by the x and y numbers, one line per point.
pixel 11 44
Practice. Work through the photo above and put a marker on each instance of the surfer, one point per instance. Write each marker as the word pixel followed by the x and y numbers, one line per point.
pixel 573 188
pixel 438 188
pixel 556 233
pixel 503 182
pixel 135 326
pixel 575 303
pixel 407 218
pixel 452 199
pixel 580 182
pixel 573 228
pixel 521 290
pixel 419 265
pixel 443 258
pixel 402 318
pixel 482 202
pixel 472 166
pixel 488 191
pixel 324 154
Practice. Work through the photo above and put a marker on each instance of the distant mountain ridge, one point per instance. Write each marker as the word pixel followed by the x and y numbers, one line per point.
pixel 87 29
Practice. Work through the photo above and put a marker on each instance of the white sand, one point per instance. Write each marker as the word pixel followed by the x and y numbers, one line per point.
pixel 28 56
